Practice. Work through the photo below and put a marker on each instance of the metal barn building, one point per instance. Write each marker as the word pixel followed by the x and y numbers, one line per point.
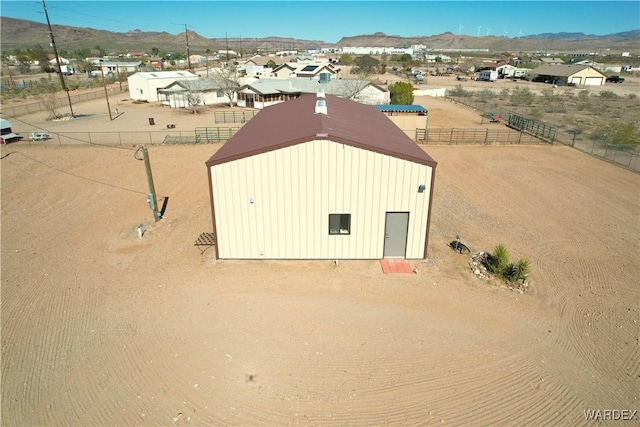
pixel 321 177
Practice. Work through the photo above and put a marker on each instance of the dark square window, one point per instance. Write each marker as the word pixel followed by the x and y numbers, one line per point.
pixel 339 223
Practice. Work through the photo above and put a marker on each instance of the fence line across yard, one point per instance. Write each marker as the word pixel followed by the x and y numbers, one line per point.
pixel 134 138
pixel 61 102
pixel 234 116
pixel 474 136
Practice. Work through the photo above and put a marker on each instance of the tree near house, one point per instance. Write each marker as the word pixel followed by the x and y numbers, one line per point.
pixel 194 95
pixel 229 81
pixel 346 59
pixel 401 93
pixel 353 88
pixel 366 65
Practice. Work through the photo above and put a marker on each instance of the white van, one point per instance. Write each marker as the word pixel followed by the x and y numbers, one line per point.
pixel 38 136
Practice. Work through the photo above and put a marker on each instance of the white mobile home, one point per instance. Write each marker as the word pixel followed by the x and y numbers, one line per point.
pixel 144 86
pixel 320 177
pixel 181 93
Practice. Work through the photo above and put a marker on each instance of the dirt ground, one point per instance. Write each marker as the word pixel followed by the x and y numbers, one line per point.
pixel 101 327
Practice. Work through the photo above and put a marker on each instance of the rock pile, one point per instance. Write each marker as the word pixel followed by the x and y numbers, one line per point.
pixel 477 263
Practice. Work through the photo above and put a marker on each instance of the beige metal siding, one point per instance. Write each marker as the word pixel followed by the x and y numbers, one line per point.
pixel 294 189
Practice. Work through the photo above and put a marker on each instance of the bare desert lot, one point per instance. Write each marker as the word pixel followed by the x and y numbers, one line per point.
pixel 101 327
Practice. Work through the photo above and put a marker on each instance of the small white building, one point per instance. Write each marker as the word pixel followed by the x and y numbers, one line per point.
pixel 321 177
pixel 115 67
pixel 205 91
pixel 144 86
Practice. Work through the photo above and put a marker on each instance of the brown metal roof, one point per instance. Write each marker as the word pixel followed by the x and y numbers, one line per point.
pixel 295 122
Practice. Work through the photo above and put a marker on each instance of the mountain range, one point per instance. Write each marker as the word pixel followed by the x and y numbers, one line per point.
pixel 22 34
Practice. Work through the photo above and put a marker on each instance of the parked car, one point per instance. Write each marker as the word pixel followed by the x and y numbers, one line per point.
pixel 39 136
pixel 615 79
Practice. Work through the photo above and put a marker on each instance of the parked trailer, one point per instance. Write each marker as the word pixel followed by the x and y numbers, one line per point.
pixel 488 76
pixel 67 70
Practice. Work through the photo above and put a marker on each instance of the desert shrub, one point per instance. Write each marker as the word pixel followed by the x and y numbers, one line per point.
pixel 609 94
pixel 485 95
pixel 518 271
pixel 459 91
pixel 498 263
pixel 623 134
pixel 522 96
pixel 633 96
pixel 504 94
pixel 537 112
pixel 583 95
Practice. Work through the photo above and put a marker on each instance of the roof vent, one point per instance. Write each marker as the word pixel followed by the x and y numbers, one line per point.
pixel 321 107
pixel 320 93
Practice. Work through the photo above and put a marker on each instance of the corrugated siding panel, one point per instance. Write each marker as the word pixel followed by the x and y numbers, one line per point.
pixel 294 190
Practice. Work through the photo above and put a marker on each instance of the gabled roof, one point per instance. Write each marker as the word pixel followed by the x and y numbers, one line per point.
pixel 199 85
pixel 307 67
pixel 150 75
pixel 120 64
pixel 561 70
pixel 285 65
pixel 306 85
pixel 295 122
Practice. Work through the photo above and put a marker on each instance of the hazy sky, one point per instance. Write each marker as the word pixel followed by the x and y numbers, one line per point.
pixel 331 20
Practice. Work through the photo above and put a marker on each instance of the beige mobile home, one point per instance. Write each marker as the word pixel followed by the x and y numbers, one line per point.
pixel 320 177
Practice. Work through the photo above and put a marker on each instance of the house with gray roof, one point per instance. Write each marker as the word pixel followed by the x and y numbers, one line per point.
pixel 321 177
pixel 182 93
pixel 262 93
pixel 305 69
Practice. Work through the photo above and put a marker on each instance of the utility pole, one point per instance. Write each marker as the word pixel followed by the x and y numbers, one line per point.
pixel 55 52
pixel 186 34
pixel 106 94
pixel 151 196
pixel 226 42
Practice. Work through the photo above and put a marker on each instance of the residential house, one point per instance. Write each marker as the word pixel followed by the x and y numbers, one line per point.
pixel 565 74
pixel 181 93
pixel 261 93
pixel 144 86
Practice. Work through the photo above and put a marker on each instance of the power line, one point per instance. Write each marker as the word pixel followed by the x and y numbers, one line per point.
pixel 76 175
